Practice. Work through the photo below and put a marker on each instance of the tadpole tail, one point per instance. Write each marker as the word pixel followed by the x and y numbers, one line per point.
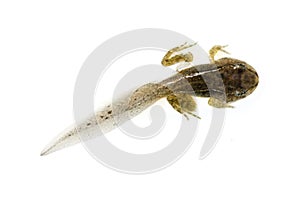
pixel 108 118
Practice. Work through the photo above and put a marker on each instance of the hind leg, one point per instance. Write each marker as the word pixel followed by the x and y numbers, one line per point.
pixel 172 57
pixel 184 104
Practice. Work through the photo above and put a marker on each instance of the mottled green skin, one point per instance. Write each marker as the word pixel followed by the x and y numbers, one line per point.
pixel 227 80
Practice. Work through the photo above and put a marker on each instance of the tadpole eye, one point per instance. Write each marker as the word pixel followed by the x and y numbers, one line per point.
pixel 240 68
pixel 243 66
pixel 239 93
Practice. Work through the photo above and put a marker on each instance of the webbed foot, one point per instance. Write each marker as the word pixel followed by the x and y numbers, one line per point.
pixel 184 104
pixel 172 58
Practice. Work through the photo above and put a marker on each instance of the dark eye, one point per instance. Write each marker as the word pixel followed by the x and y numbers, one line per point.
pixel 240 70
pixel 239 93
pixel 240 67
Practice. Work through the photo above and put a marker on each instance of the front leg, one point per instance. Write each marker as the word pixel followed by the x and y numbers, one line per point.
pixel 214 50
pixel 171 59
pixel 218 103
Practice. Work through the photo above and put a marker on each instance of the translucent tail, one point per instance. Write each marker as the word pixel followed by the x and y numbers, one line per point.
pixel 110 117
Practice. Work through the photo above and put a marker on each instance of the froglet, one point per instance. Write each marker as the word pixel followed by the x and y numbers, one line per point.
pixel 223 81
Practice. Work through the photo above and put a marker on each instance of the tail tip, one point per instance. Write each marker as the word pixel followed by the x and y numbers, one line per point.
pixel 46 151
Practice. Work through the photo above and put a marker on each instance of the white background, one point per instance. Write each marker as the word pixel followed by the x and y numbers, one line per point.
pixel 42 47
